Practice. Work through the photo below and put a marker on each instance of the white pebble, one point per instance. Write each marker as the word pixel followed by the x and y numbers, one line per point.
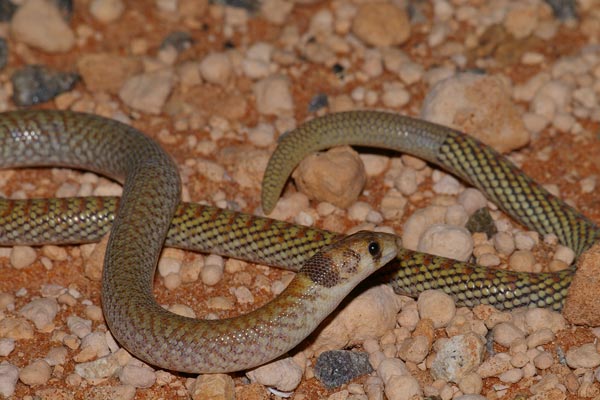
pixel 273 95
pixel 506 333
pixel 41 312
pixel 511 376
pixel 211 274
pixel 283 374
pixel 584 356
pixel 564 254
pixel 243 295
pixel 522 260
pixel 437 306
pixel 504 243
pixel 168 265
pixel 262 135
pixel 456 215
pixel 136 376
pixel 447 241
pixel 36 373
pixel 106 11
pixel 406 182
pixel 359 211
pixel 216 68
pixel 472 200
pixel 78 326
pixel 9 374
pixel 447 185
pixel 402 388
pixel 523 241
pixel 7 345
pixel 22 256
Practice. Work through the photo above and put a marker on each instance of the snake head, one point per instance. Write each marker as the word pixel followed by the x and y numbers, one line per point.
pixel 352 258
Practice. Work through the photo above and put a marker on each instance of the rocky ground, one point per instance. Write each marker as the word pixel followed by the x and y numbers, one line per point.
pixel 216 85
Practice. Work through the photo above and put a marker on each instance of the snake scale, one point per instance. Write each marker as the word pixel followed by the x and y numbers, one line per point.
pixel 149 211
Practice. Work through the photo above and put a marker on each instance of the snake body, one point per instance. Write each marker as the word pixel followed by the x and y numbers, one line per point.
pixel 149 211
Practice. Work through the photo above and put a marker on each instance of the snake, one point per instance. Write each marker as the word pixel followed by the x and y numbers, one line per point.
pixel 150 214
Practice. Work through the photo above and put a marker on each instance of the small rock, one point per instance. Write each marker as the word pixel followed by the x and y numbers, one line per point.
pixel 41 312
pixel 471 383
pixel 472 200
pixel 447 241
pixel 78 326
pixel 121 392
pixel 335 368
pixel 381 24
pixel 7 345
pixel 107 72
pixel 457 357
pixel 213 386
pixel 481 221
pixel 107 11
pixel 436 306
pixel 337 176
pixel 402 388
pixel 370 314
pixel 9 375
pixel 179 40
pixel 495 365
pixel 273 95
pixel 136 376
pixel 148 91
pixel 480 105
pixel 216 68
pixel 101 368
pixel 39 23
pixel 22 256
pixel 283 374
pixel 584 356
pixel 34 84
pixel 418 222
pixel 506 333
pixel 522 260
pixel 36 373
pixel 16 328
pixel 414 349
pixel 392 367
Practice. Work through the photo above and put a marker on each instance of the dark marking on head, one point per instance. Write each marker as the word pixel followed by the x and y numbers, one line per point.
pixel 321 270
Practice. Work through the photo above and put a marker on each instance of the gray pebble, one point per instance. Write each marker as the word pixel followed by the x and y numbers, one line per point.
pixel 481 221
pixel 335 368
pixel 563 9
pixel 36 84
pixel 179 40
pixel 7 9
pixel 3 53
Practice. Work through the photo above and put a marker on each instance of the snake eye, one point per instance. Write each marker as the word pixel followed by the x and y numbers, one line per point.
pixel 374 249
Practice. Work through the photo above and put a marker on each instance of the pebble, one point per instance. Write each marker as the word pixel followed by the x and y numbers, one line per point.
pixel 213 386
pixel 506 333
pixel 395 95
pixel 93 345
pixel 7 345
pixel 137 376
pixel 283 374
pixel 381 24
pixel 168 265
pixel 493 118
pixel 216 68
pixel 447 241
pixel 41 312
pixel 406 182
pixel 262 135
pixel 495 365
pixel 36 373
pixel 436 306
pixel 414 349
pixel 418 222
pixel 4 52
pixel 107 72
pixel 522 260
pixel 57 356
pixel 513 375
pixel 78 326
pixel 402 388
pixel 457 356
pixel 15 328
pixel 336 368
pixel 370 314
pixel 337 176
pixel 101 368
pixel 9 375
pixel 540 318
pixel 584 356
pixel 39 24
pixel 471 383
pixel 212 273
pixel 106 11
pixel 34 84
pixel 273 95
pixel 148 91
pixel 472 200
pixel 22 256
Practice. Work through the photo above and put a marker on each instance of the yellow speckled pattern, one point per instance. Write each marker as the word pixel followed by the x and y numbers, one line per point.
pixel 140 224
pixel 477 164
